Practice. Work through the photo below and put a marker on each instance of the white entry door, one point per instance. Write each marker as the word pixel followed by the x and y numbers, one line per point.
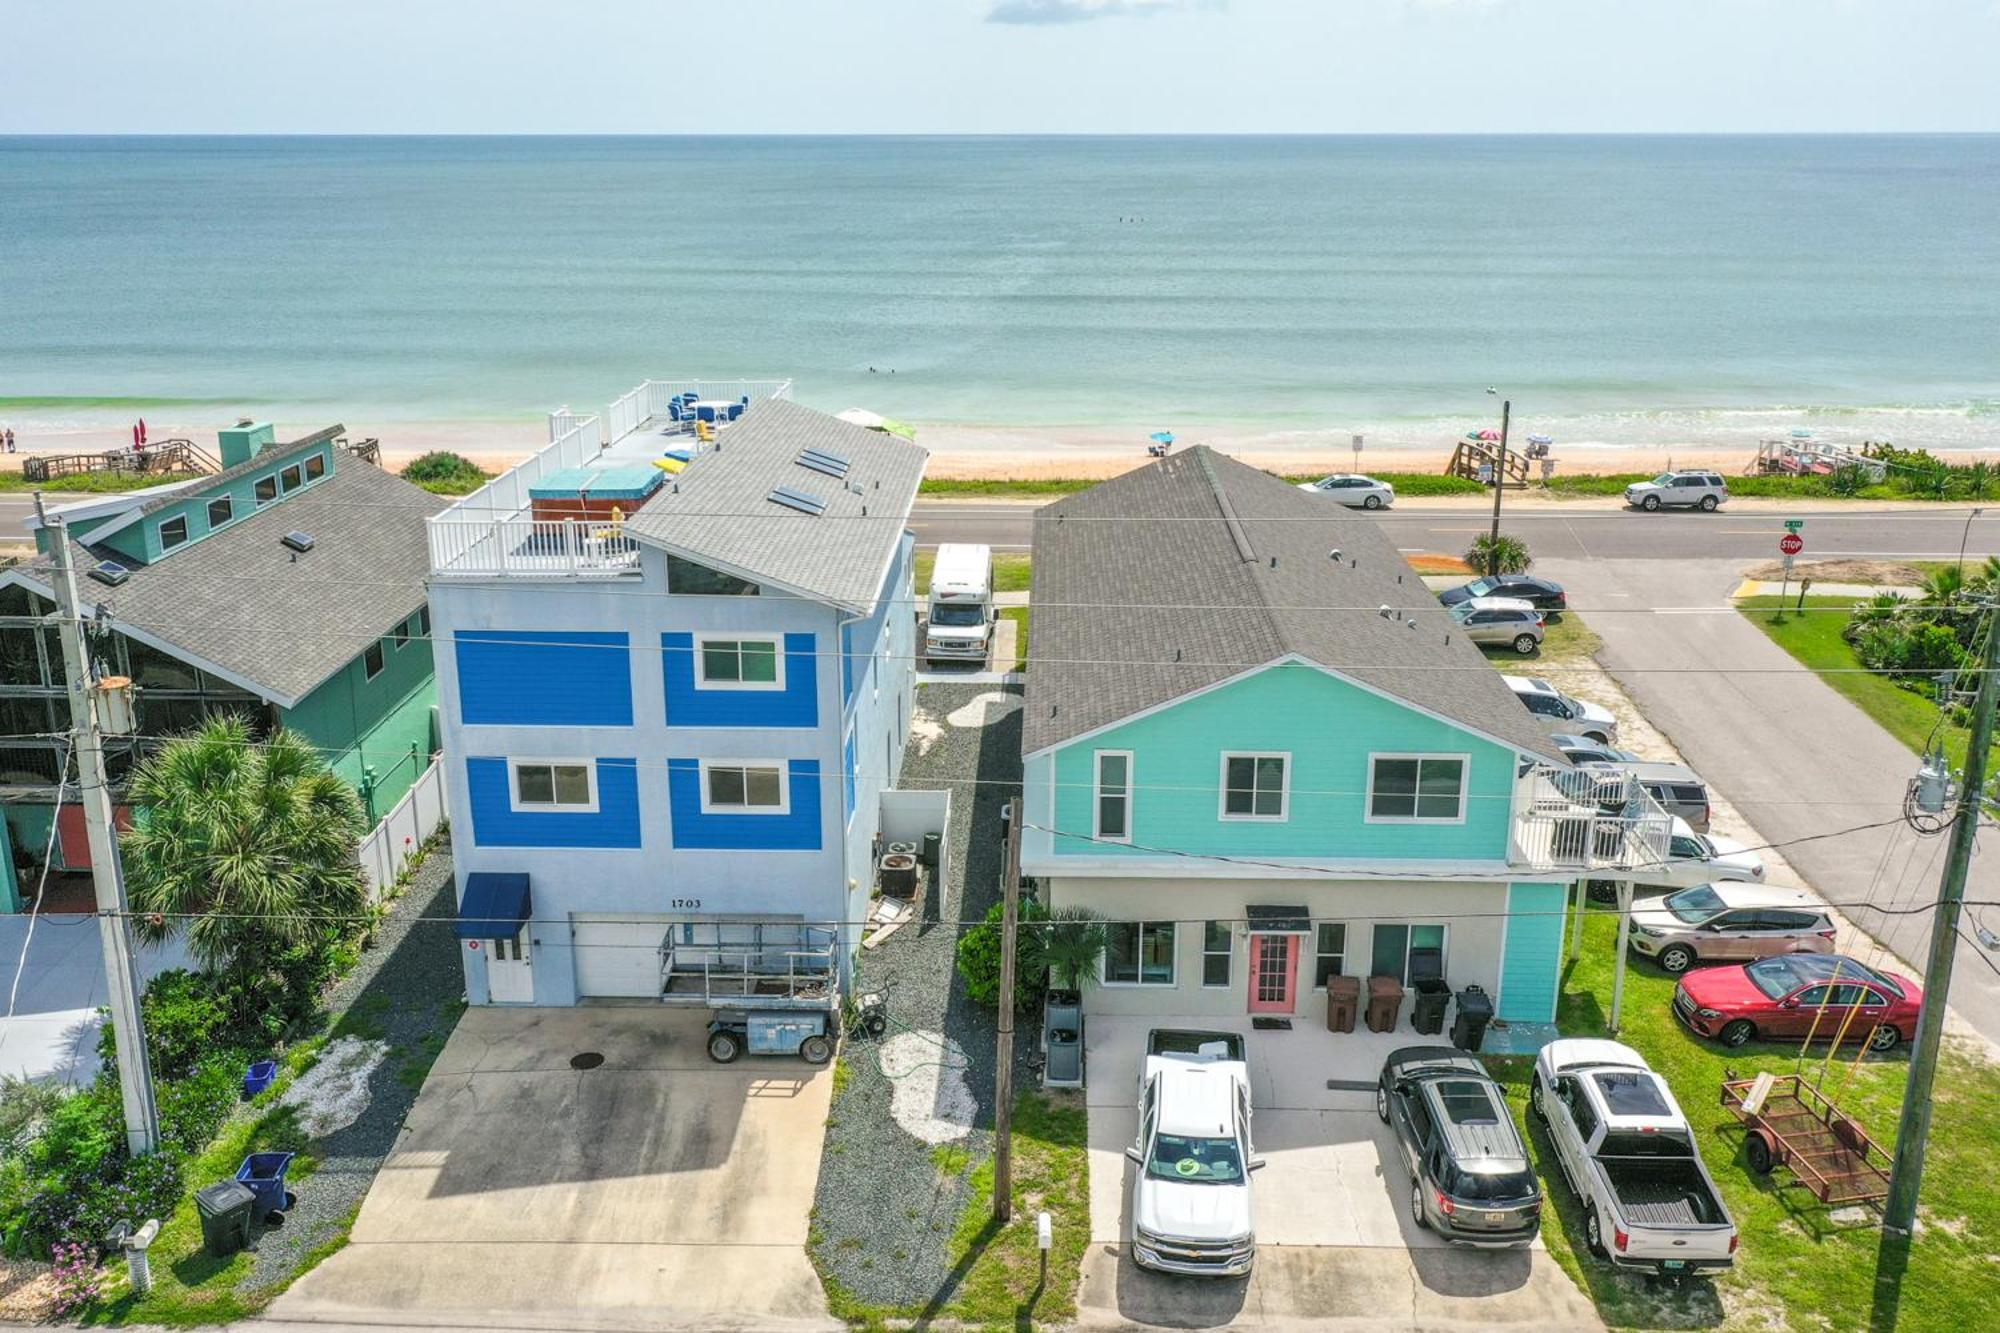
pixel 510 973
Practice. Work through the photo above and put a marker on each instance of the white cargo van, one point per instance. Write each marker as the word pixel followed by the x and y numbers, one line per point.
pixel 959 624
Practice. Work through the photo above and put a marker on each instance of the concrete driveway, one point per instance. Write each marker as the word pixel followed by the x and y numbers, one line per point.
pixel 1334 1241
pixel 1798 760
pixel 656 1190
pixel 51 987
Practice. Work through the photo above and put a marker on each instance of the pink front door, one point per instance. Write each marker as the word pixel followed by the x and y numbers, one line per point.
pixel 1274 973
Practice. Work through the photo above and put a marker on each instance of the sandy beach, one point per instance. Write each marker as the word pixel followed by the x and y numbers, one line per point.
pixel 972 452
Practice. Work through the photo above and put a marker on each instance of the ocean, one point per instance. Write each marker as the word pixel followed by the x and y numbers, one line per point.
pixel 1615 288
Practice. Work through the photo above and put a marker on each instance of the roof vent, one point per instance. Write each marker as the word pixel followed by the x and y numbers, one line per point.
pixel 110 573
pixel 803 501
pixel 298 541
pixel 821 460
pixel 1386 611
pixel 1334 555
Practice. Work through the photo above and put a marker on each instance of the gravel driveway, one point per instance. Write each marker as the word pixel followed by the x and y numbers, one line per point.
pixel 888 1201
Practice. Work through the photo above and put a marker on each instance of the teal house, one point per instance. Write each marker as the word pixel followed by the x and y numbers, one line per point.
pixel 287 588
pixel 1256 745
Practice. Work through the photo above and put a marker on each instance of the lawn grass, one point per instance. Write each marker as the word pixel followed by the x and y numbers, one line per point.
pixel 998 1276
pixel 1019 615
pixel 1010 571
pixel 94 483
pixel 1566 641
pixel 1797 1267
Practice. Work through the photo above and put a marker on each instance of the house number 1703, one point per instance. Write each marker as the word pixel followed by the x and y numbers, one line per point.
pixel 690 904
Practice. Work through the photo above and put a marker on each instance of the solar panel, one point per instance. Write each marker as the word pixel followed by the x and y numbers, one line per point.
pixel 820 460
pixel 803 501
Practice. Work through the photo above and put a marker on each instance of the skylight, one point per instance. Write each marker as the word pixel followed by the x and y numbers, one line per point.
pixel 803 501
pixel 821 460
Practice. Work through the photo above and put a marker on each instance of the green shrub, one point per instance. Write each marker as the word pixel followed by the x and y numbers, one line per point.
pixel 979 958
pixel 443 465
pixel 1916 649
pixel 1512 552
pixel 25 1106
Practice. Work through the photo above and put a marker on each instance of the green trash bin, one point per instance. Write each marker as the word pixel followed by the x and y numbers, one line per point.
pixel 225 1209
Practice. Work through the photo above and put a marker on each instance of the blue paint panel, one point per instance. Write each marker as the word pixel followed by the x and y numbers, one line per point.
pixel 1533 957
pixel 847 781
pixel 688 705
pixel 796 831
pixel 495 823
pixel 523 678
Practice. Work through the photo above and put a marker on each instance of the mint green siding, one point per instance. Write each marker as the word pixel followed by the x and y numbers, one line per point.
pixel 384 724
pixel 1329 727
pixel 1531 963
pixel 10 891
pixel 142 539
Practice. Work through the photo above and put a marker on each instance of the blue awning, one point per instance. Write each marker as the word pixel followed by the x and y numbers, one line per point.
pixel 495 906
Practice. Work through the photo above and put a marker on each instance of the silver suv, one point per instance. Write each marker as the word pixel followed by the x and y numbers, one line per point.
pixel 1730 923
pixel 1685 490
pixel 1507 620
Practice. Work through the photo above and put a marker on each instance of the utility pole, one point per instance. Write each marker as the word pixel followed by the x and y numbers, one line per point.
pixel 1899 1214
pixel 1499 485
pixel 1003 1072
pixel 114 927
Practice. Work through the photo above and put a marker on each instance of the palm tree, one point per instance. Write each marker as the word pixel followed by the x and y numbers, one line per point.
pixel 1884 608
pixel 1073 941
pixel 246 848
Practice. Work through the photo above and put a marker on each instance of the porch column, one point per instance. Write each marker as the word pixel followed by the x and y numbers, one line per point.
pixel 1582 891
pixel 1624 935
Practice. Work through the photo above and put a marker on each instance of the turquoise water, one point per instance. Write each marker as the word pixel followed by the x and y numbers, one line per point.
pixel 1612 284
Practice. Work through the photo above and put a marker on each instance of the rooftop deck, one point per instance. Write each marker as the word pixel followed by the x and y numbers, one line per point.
pixel 494 531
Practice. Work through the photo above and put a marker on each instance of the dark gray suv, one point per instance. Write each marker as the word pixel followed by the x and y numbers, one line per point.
pixel 1469 1175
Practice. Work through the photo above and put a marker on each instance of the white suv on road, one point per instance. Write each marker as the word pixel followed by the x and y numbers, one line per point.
pixel 1686 490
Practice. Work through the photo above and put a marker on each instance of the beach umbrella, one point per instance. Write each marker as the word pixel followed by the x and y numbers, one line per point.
pixel 1482 435
pixel 1541 439
pixel 142 430
pixel 1162 436
pixel 1801 433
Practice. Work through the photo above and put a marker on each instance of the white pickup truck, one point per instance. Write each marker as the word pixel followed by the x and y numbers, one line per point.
pixel 1629 1154
pixel 1191 1199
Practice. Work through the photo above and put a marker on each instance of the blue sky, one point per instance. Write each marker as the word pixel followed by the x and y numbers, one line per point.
pixel 996 66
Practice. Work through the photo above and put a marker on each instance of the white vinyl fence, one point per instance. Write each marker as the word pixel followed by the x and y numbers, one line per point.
pixel 391 843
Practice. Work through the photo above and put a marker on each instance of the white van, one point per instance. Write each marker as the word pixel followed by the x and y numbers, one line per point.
pixel 959 624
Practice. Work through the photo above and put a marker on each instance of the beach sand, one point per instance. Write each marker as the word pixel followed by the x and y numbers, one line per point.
pixel 971 452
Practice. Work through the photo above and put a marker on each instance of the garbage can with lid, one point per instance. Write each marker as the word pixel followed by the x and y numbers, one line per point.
pixel 1475 1011
pixel 1343 1000
pixel 225 1209
pixel 1433 992
pixel 263 1174
pixel 1385 1003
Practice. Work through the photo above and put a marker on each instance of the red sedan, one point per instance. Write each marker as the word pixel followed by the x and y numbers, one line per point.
pixel 1786 995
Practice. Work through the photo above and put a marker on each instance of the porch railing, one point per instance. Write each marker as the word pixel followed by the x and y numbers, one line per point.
pixel 795 969
pixel 1576 821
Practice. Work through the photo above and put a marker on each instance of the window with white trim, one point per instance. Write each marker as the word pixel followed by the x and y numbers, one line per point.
pixel 1416 788
pixel 292 478
pixel 1138 953
pixel 1114 796
pixel 1218 946
pixel 315 466
pixel 1329 952
pixel 266 489
pixel 739 664
pixel 220 510
pixel 734 787
pixel 554 784
pixel 371 660
pixel 173 532
pixel 1255 786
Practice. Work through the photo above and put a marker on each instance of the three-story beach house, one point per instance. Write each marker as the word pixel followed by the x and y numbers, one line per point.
pixel 287 588
pixel 675 673
pixel 1255 744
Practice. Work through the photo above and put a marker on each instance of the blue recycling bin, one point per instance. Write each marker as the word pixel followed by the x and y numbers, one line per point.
pixel 259 1077
pixel 263 1174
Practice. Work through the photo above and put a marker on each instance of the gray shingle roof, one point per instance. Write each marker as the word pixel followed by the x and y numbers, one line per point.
pixel 720 515
pixel 1160 582
pixel 238 600
pixel 256 462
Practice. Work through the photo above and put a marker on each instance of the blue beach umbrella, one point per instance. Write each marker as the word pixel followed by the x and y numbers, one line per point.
pixel 1163 436
pixel 1541 439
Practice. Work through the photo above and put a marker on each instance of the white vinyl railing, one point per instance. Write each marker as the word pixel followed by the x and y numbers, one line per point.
pixel 626 415
pixel 391 843
pixel 1556 831
pixel 553 548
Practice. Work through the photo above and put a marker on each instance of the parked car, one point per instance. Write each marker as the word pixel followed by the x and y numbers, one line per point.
pixel 1826 995
pixel 1627 1151
pixel 1583 750
pixel 1562 714
pixel 1353 490
pixel 1687 490
pixel 1692 858
pixel 1507 620
pixel 1728 922
pixel 1544 593
pixel 1191 1197
pixel 1469 1175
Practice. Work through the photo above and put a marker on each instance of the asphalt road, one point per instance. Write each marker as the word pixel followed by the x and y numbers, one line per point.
pixel 1795 757
pixel 1587 534
pixel 15 511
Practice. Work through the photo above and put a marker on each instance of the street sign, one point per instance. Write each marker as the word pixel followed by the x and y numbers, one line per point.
pixel 1795 525
pixel 1791 544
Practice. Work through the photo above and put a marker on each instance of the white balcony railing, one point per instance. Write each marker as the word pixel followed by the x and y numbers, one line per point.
pixel 1571 821
pixel 548 548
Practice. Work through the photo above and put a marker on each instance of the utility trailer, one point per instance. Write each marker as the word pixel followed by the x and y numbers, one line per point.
pixel 1792 1123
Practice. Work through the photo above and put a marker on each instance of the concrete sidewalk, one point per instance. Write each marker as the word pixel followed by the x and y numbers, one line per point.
pixel 1801 762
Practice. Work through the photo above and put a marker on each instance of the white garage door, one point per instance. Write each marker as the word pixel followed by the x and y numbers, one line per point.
pixel 619 956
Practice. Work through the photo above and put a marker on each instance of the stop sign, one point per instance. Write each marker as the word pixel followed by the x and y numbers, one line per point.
pixel 1791 544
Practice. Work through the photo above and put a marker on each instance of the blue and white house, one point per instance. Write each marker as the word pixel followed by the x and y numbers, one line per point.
pixel 1256 745
pixel 674 677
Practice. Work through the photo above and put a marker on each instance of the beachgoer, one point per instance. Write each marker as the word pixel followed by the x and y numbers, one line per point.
pixel 10 439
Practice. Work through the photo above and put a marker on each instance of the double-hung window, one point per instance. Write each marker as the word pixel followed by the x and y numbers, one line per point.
pixel 730 786
pixel 1255 786
pixel 1394 943
pixel 1139 953
pixel 739 664
pixel 1416 788
pixel 1329 952
pixel 1114 796
pixel 554 784
pixel 1218 944
pixel 371 660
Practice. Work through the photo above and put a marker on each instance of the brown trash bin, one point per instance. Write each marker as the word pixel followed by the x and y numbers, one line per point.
pixel 1385 1003
pixel 1343 1001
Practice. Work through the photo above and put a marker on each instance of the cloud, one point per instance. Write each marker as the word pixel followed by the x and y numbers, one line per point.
pixel 1082 11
